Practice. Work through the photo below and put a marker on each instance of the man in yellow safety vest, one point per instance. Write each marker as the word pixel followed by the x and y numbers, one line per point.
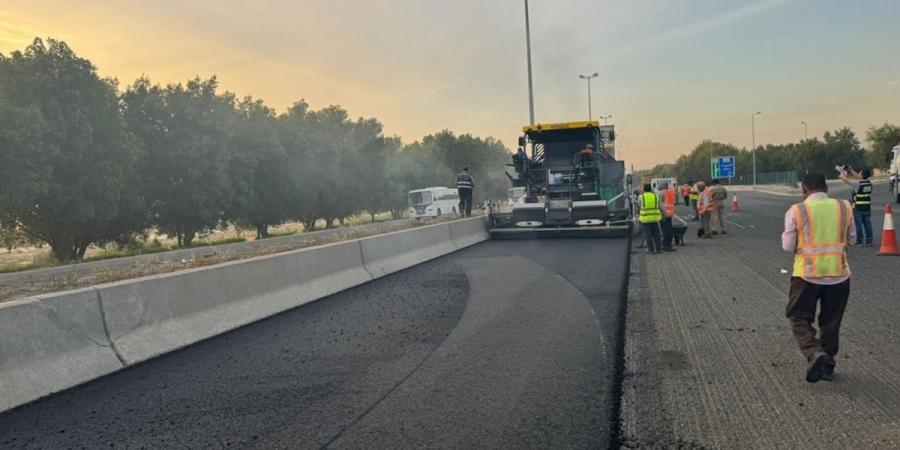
pixel 818 231
pixel 650 216
pixel 695 198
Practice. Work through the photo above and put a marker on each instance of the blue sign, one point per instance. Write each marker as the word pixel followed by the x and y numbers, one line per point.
pixel 722 167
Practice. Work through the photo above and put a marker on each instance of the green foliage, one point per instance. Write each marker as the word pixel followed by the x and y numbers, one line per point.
pixel 881 140
pixel 837 147
pixel 66 159
pixel 83 164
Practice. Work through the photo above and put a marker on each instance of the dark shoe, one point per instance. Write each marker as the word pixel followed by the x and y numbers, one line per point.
pixel 724 232
pixel 828 372
pixel 816 366
pixel 714 233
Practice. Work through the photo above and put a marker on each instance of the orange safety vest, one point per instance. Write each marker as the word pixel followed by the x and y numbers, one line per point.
pixel 823 228
pixel 670 202
pixel 705 204
pixel 685 191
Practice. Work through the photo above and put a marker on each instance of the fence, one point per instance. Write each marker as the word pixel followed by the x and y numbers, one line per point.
pixel 788 177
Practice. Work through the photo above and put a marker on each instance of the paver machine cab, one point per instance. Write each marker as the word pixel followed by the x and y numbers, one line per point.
pixel 574 186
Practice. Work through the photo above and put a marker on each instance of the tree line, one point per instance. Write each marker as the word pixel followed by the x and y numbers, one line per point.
pixel 820 155
pixel 84 163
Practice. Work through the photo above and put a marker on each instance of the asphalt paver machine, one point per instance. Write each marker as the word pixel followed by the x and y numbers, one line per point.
pixel 574 186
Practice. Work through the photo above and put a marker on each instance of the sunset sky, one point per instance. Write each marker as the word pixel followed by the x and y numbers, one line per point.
pixel 672 72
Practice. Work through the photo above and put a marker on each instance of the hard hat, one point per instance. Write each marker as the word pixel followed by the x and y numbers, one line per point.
pixel 590 146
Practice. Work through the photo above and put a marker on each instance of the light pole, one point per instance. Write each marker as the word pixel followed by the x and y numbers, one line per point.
pixel 606 119
pixel 805 130
pixel 588 78
pixel 753 141
pixel 528 47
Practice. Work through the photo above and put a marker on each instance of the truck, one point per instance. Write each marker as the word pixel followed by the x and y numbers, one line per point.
pixel 573 185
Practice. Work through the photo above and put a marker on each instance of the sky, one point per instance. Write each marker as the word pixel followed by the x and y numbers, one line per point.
pixel 672 72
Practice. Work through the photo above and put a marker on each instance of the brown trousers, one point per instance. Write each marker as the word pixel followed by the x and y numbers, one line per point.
pixel 801 311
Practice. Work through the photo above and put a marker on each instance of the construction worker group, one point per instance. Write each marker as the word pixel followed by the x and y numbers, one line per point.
pixel 657 212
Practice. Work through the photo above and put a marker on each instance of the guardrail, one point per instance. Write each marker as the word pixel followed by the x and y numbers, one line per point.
pixel 53 342
pixel 130 262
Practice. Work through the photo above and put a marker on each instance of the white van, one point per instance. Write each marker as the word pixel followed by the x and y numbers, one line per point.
pixel 433 202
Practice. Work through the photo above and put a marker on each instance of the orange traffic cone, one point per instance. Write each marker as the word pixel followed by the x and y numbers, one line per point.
pixel 889 236
pixel 734 204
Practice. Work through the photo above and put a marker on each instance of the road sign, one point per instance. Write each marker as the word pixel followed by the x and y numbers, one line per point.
pixel 722 167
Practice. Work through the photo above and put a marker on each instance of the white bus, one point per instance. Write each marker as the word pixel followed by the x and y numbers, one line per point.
pixel 433 202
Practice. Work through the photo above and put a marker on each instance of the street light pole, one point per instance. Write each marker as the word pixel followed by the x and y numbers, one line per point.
pixel 805 131
pixel 605 119
pixel 588 78
pixel 528 47
pixel 753 140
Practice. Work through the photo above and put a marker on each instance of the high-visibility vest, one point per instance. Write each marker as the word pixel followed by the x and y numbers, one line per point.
pixel 649 208
pixel 705 202
pixel 685 191
pixel 862 198
pixel 695 194
pixel 823 228
pixel 670 202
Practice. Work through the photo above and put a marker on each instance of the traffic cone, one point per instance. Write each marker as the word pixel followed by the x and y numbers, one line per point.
pixel 888 236
pixel 734 204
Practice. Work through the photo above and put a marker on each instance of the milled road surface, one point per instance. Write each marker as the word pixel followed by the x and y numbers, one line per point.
pixel 710 359
pixel 505 344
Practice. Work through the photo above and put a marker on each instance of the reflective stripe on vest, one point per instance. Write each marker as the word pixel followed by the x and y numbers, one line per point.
pixel 670 202
pixel 823 227
pixel 649 208
pixel 862 200
pixel 695 194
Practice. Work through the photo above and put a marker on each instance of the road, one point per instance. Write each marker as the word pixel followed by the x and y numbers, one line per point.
pixel 710 360
pixel 505 344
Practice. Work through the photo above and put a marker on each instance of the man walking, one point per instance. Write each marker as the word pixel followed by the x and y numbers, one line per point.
pixel 650 216
pixel 862 205
pixel 719 195
pixel 817 231
pixel 464 185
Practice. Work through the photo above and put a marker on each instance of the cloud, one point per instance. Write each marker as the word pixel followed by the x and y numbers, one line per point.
pixel 701 26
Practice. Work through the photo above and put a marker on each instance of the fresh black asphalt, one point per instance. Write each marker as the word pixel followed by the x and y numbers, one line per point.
pixel 507 344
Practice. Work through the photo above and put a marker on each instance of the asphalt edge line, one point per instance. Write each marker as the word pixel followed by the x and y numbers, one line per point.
pixel 615 418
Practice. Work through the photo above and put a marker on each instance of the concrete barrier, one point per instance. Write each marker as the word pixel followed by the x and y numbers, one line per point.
pixel 392 252
pixel 468 232
pixel 158 314
pixel 53 342
pixel 50 343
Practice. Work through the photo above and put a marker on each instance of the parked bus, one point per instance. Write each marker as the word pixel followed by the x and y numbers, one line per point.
pixel 433 202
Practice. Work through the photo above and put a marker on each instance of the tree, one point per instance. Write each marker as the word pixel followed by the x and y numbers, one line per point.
pixel 257 171
pixel 186 133
pixel 881 140
pixel 66 158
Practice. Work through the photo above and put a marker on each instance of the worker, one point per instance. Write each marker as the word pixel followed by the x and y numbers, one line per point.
pixel 862 205
pixel 465 184
pixel 695 198
pixel 650 216
pixel 670 196
pixel 686 193
pixel 719 195
pixel 704 209
pixel 818 231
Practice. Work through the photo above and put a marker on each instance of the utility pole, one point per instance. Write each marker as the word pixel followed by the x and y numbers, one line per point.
pixel 805 131
pixel 753 140
pixel 528 47
pixel 588 78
